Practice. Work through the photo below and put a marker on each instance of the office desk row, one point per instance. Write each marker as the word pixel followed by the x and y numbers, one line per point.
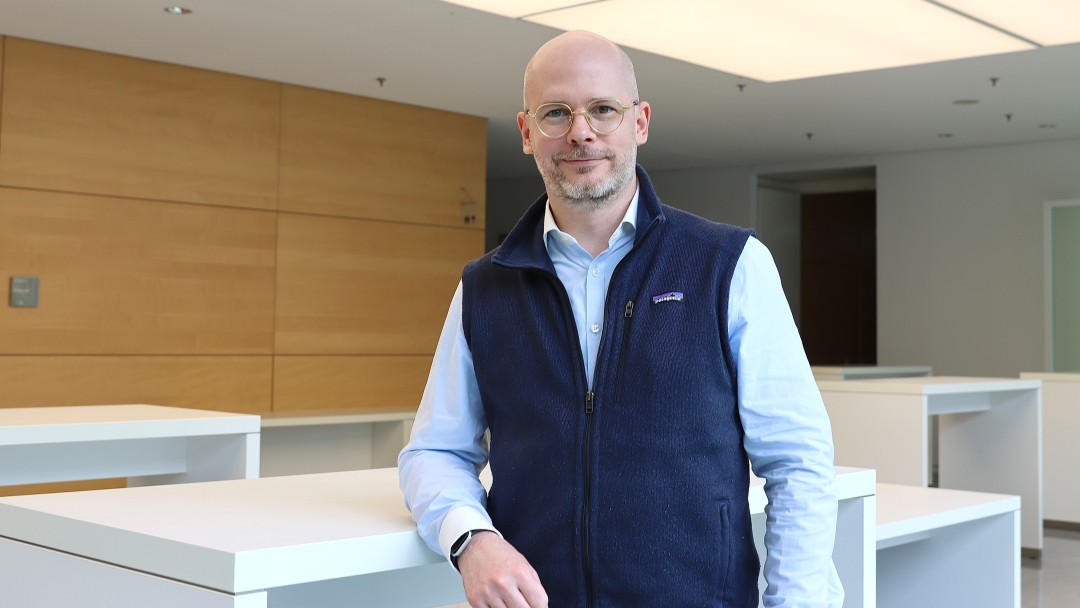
pixel 306 540
pixel 329 540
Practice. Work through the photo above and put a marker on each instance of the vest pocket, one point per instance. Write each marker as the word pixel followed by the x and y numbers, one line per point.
pixel 724 551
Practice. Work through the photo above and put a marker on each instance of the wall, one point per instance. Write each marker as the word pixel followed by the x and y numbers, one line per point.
pixel 960 247
pixel 779 214
pixel 214 241
pixel 960 255
pixel 718 194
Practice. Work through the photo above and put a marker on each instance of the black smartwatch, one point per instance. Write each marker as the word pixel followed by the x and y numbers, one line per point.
pixel 460 545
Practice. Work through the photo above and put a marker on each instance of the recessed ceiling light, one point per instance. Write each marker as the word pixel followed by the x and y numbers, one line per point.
pixel 177 10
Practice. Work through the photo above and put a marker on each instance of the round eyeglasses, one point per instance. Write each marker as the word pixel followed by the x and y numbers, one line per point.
pixel 603 115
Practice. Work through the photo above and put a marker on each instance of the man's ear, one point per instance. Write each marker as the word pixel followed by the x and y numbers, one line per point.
pixel 526 133
pixel 641 122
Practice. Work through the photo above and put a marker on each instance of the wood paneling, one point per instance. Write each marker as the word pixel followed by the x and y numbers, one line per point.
pixel 84 121
pixel 125 276
pixel 228 384
pixel 358 157
pixel 361 287
pixel 315 382
pixel 67 486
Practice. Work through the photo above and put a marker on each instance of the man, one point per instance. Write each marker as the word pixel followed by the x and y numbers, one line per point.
pixel 627 361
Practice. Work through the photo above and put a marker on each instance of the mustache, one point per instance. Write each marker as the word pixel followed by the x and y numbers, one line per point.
pixel 583 154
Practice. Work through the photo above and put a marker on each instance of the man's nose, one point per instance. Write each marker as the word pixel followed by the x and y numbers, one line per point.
pixel 580 129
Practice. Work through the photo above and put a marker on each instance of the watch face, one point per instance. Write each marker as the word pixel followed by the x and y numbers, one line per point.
pixel 460 544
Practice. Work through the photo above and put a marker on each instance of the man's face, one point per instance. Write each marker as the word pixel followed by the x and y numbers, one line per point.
pixel 582 167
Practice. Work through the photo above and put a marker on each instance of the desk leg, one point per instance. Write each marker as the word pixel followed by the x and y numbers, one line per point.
pixel 855 552
pixel 1000 451
pixel 213 458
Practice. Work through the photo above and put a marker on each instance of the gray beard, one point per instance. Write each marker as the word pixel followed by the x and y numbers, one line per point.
pixel 589 196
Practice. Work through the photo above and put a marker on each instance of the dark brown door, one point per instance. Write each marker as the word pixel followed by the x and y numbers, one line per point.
pixel 838 300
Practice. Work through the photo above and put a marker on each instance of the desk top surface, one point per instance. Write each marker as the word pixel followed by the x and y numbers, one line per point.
pixel 253 534
pixel 34 425
pixel 929 385
pixel 326 417
pixel 1052 376
pixel 876 371
pixel 905 509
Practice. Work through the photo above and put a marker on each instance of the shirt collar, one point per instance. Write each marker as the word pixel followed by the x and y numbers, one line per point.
pixel 628 225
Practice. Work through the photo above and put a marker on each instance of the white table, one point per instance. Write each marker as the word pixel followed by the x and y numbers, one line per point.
pixel 868 372
pixel 148 444
pixel 940 548
pixel 325 441
pixel 989 435
pixel 329 540
pixel 1061 447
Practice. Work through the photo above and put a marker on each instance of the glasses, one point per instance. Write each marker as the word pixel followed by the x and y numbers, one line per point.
pixel 603 115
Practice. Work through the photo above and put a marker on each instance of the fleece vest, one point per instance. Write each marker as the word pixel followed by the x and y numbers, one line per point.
pixel 633 492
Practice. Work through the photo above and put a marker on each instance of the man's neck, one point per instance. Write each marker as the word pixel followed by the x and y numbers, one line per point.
pixel 592 227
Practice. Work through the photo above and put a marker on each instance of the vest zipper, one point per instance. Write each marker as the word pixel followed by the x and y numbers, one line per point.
pixel 590 406
pixel 628 312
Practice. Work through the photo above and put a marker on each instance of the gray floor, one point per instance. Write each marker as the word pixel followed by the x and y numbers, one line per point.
pixel 1053 581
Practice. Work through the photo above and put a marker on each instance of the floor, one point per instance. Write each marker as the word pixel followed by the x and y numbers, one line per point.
pixel 1053 581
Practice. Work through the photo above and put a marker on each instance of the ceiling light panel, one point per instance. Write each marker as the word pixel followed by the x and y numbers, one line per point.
pixel 1047 22
pixel 519 8
pixel 774 40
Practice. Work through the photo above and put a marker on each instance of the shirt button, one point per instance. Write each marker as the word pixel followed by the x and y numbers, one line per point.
pixel 595 328
pixel 595 272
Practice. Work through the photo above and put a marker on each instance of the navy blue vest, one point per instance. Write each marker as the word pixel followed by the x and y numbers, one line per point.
pixel 634 493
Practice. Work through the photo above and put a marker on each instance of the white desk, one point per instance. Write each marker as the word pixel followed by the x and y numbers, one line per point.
pixel 868 372
pixel 325 441
pixel 1061 447
pixel 989 437
pixel 941 548
pixel 329 540
pixel 148 444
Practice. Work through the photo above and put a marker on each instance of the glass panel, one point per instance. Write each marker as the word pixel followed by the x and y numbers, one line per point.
pixel 1065 286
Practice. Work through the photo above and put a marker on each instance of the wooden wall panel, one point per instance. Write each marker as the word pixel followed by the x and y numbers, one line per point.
pixel 125 276
pixel 320 382
pixel 91 122
pixel 228 384
pixel 360 287
pixel 359 157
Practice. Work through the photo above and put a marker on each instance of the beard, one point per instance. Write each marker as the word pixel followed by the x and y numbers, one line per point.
pixel 588 194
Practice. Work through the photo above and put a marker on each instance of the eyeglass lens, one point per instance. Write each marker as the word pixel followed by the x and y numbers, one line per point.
pixel 603 115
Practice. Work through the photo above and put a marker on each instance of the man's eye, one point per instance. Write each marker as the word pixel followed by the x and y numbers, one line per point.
pixel 555 113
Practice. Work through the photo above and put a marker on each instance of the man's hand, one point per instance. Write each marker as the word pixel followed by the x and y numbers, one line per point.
pixel 495 574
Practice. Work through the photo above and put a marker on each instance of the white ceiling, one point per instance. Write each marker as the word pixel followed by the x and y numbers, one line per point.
pixel 440 55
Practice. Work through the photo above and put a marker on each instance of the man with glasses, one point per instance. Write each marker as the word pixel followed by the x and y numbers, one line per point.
pixel 620 365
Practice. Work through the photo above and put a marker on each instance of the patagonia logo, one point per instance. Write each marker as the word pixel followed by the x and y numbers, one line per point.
pixel 671 296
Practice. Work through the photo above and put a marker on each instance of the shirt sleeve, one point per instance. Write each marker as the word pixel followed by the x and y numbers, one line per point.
pixel 439 469
pixel 788 438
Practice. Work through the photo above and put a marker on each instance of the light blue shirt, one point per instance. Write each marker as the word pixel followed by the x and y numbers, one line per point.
pixel 787 433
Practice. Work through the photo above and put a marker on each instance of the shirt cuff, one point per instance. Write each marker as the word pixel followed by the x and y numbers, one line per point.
pixel 458 522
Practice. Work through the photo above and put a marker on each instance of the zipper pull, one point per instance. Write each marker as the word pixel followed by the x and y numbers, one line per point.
pixel 629 311
pixel 589 405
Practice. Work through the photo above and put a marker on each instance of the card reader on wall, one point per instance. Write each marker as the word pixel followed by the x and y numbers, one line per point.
pixel 24 292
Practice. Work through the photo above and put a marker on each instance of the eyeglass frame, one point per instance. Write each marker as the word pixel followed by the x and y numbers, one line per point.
pixel 584 113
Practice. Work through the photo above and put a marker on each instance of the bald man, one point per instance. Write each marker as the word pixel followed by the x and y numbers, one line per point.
pixel 621 366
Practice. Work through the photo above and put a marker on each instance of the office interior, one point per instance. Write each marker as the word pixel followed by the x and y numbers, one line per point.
pixel 216 238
